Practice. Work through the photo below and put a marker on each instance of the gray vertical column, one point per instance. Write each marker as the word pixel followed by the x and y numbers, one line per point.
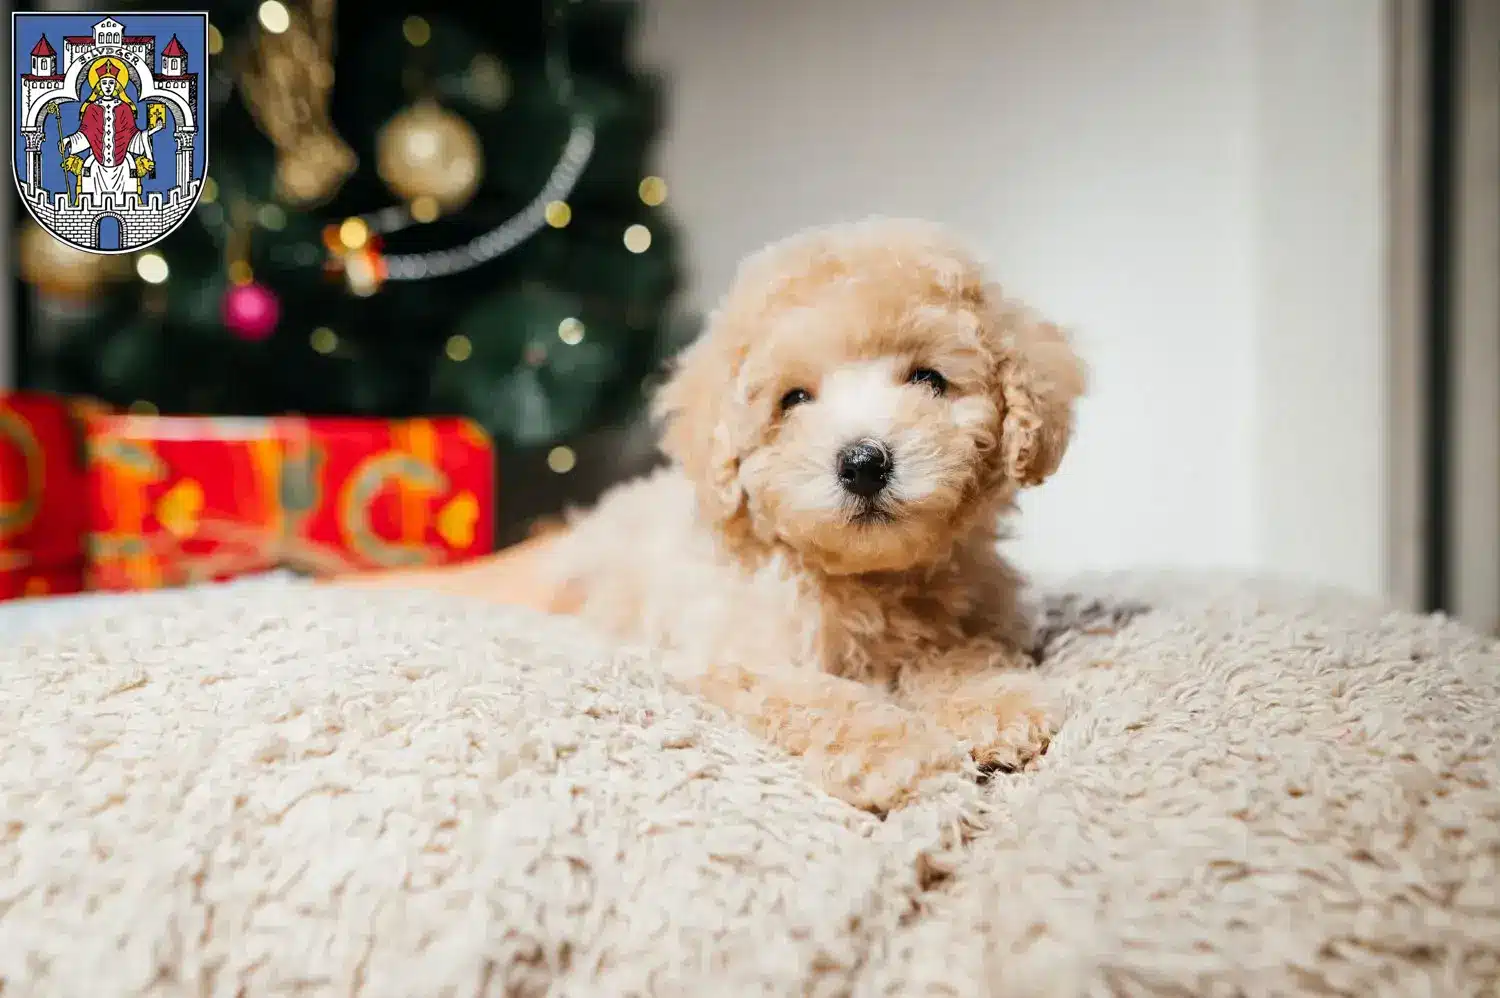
pixel 34 138
pixel 185 137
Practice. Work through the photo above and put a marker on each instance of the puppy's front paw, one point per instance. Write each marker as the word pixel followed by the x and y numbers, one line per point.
pixel 880 760
pixel 1004 732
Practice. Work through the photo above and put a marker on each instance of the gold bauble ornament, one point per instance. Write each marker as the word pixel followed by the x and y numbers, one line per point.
pixel 429 151
pixel 60 271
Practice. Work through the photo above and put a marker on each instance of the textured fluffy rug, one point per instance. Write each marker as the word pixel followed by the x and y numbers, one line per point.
pixel 1257 791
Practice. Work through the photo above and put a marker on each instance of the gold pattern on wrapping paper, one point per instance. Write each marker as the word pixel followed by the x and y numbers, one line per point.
pixel 456 520
pixel 180 509
pixel 242 548
pixel 286 81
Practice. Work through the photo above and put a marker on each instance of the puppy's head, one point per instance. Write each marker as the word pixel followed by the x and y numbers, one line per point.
pixel 864 398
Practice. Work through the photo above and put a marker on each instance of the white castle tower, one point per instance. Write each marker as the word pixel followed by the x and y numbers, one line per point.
pixel 44 60
pixel 174 59
pixel 77 217
pixel 43 79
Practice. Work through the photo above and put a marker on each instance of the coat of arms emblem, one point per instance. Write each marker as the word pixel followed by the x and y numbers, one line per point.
pixel 109 136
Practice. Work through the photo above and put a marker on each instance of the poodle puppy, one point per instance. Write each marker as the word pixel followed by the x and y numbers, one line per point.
pixel 820 559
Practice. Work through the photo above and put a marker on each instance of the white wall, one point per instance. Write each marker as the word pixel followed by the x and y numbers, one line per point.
pixel 1133 170
pixel 1322 203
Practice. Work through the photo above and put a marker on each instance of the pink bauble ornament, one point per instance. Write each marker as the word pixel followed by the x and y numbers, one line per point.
pixel 251 311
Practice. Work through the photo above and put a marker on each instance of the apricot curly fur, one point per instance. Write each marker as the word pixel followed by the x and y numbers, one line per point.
pixel 879 642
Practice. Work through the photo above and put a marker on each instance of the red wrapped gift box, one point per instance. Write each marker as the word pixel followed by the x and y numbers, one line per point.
pixel 42 515
pixel 177 500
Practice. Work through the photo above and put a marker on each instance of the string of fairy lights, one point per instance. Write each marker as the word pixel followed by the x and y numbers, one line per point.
pixel 353 247
pixel 418 145
pixel 429 137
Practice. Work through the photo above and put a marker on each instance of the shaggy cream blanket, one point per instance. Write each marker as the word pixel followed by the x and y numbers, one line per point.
pixel 306 791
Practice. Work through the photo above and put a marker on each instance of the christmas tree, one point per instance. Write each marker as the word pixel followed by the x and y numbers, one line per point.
pixel 446 211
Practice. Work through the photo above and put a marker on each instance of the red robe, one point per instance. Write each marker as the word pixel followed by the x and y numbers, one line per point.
pixel 91 124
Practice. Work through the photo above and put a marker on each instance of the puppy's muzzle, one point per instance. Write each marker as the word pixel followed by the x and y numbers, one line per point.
pixel 864 468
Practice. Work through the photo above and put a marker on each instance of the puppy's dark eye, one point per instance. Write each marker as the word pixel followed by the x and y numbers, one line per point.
pixel 795 397
pixel 927 376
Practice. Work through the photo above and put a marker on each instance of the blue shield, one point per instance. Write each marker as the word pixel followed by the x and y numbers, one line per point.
pixel 109 130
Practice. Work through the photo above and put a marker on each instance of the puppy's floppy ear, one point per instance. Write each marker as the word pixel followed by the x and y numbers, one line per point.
pixel 1040 378
pixel 695 406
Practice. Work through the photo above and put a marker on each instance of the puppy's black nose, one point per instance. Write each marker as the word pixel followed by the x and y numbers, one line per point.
pixel 864 469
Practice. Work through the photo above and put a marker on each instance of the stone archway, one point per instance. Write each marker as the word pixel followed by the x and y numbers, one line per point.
pixel 182 109
pixel 36 136
pixel 31 114
pixel 184 125
pixel 48 101
pixel 185 122
pixel 98 230
pixel 146 90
